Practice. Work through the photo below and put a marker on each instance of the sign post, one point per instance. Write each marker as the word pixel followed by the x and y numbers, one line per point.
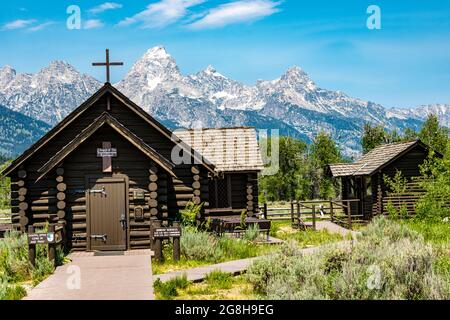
pixel 159 233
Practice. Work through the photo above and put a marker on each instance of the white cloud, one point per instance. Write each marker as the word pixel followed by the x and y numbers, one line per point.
pixel 236 12
pixel 105 6
pixel 93 24
pixel 161 14
pixel 18 24
pixel 41 26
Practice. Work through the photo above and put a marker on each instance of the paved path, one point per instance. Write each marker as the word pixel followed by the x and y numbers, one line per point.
pixel 235 267
pixel 107 277
pixel 334 228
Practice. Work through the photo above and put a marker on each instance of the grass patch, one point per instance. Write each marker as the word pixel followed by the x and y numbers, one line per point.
pixel 218 286
pixel 283 230
pixel 169 290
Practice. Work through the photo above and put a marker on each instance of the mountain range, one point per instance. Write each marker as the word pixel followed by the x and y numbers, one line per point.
pixel 293 103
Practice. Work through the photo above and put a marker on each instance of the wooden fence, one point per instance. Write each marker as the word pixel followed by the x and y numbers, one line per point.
pixel 305 214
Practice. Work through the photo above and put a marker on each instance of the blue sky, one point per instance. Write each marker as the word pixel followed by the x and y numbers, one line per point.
pixel 406 63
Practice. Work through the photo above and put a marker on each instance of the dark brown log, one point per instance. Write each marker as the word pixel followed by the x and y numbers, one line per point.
pixel 196 200
pixel 78 226
pixel 134 233
pixel 153 194
pixel 43 209
pixel 20 183
pixel 196 177
pixel 23 206
pixel 143 243
pixel 195 170
pixel 22 174
pixel 61 196
pixel 21 198
pixel 182 189
pixel 61 214
pixel 249 197
pixel 79 217
pixel 41 216
pixel 153 178
pixel 61 187
pixel 78 208
pixel 154 211
pixel 153 203
pixel 59 179
pixel 43 201
pixel 22 213
pixel 23 221
pixel 153 186
pixel 22 191
pixel 197 193
pixel 153 170
pixel 61 205
pixel 196 185
pixel 60 171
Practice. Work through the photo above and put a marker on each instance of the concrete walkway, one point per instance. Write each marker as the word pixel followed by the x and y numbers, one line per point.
pixel 109 276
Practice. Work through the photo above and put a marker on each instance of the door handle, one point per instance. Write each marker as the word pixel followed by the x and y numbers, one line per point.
pixel 102 191
pixel 123 221
pixel 102 237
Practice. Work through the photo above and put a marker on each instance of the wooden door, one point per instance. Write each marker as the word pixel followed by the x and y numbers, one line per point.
pixel 107 211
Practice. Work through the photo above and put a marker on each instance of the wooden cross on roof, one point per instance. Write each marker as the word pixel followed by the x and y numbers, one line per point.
pixel 107 64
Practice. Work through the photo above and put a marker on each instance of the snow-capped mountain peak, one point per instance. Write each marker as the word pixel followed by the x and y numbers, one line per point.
pixel 292 103
pixel 7 74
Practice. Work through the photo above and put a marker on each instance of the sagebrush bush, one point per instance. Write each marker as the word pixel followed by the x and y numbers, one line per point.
pixel 199 245
pixel 389 261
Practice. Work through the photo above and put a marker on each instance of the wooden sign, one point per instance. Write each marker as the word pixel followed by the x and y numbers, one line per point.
pixel 106 152
pixel 139 195
pixel 169 232
pixel 41 238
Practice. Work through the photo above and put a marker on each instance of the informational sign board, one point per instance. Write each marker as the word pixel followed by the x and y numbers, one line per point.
pixel 41 238
pixel 169 232
pixel 106 152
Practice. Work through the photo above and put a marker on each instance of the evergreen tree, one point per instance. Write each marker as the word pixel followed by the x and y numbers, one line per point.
pixel 373 136
pixel 324 151
pixel 433 134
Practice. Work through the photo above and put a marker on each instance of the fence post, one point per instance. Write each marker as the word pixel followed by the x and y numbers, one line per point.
pixel 298 211
pixel 349 211
pixel 176 245
pixel 314 216
pixel 292 211
pixel 331 210
pixel 31 248
pixel 156 243
pixel 52 246
pixel 265 211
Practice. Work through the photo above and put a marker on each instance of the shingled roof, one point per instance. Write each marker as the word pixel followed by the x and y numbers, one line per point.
pixel 373 160
pixel 228 149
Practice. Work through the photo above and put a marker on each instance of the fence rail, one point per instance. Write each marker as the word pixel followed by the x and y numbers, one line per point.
pixel 304 214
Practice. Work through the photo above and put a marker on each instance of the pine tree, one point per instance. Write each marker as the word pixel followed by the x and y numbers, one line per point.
pixel 433 134
pixel 373 136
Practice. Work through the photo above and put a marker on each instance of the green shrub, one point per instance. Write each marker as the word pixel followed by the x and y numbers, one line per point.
pixel 251 233
pixel 188 215
pixel 199 245
pixel 389 261
pixel 11 291
pixel 169 289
